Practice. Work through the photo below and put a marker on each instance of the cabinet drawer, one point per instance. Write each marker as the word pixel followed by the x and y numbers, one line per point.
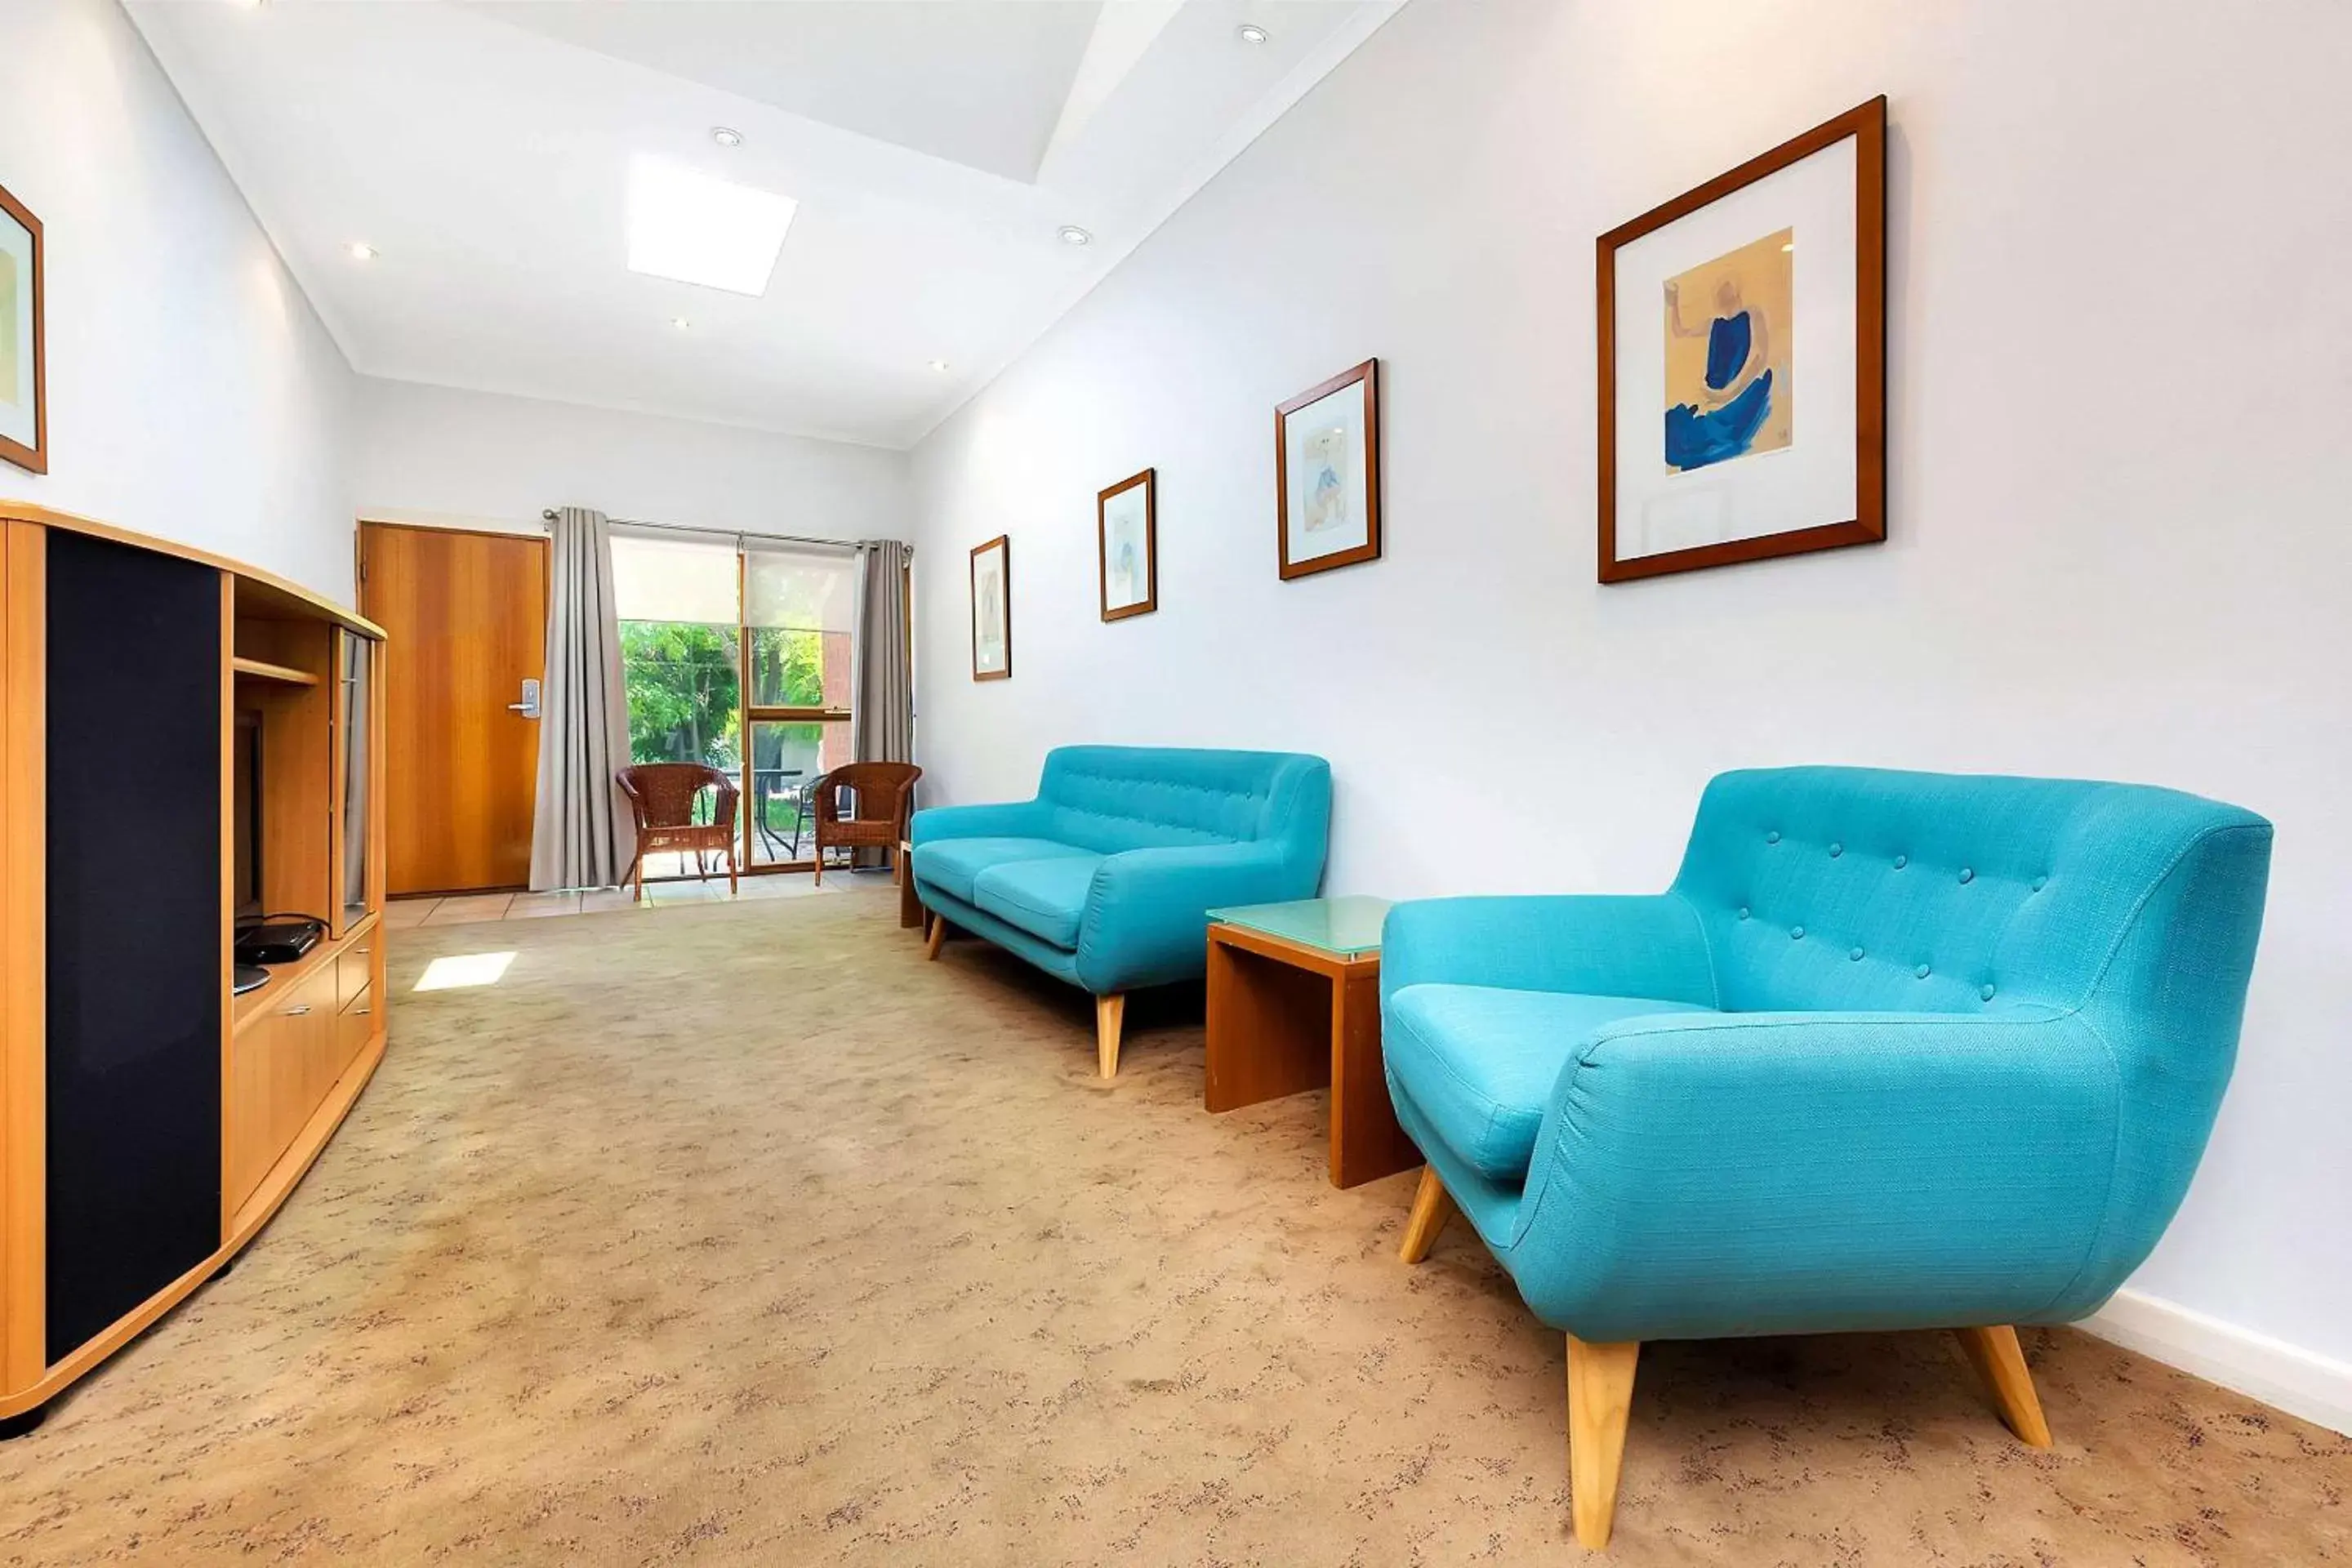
pixel 354 967
pixel 304 1055
pixel 278 1072
pixel 352 1029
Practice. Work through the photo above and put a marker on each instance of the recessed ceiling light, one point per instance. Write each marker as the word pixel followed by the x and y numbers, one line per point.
pixel 940 364
pixel 360 251
pixel 726 136
pixel 698 229
pixel 1072 234
pixel 1251 33
pixel 681 322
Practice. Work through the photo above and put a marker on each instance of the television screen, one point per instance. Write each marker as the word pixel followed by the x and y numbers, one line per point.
pixel 245 813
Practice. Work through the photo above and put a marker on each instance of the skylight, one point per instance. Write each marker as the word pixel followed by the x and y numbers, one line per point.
pixel 699 229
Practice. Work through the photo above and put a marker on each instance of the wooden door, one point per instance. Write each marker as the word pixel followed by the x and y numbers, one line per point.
pixel 466 618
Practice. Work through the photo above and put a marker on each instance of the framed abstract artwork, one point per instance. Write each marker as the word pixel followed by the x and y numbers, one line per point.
pixel 24 355
pixel 1326 473
pixel 1743 361
pixel 1127 546
pixel 991 609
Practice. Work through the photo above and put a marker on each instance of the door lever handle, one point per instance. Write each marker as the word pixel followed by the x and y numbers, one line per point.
pixel 529 706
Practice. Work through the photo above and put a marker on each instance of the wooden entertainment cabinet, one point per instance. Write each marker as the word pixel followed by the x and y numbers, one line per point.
pixel 151 1122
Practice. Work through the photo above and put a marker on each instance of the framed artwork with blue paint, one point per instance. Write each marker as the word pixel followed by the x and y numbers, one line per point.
pixel 1743 361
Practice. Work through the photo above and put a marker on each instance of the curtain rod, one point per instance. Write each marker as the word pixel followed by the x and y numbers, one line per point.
pixel 548 515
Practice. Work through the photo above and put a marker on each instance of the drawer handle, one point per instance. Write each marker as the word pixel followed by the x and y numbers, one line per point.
pixel 297 1012
pixel 361 1012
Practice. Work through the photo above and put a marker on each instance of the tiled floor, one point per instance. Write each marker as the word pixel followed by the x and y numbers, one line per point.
pixel 473 908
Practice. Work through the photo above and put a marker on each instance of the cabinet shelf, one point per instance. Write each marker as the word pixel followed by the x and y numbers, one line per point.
pixel 263 670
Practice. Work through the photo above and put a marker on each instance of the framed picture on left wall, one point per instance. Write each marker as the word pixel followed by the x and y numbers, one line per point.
pixel 24 357
pixel 991 609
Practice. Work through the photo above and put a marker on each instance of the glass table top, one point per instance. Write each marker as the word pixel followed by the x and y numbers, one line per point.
pixel 1345 927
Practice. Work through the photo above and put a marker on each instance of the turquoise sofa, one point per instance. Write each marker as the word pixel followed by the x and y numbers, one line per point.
pixel 1896 1051
pixel 1106 878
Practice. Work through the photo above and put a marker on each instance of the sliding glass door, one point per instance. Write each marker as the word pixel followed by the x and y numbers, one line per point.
pixel 798 614
pixel 739 653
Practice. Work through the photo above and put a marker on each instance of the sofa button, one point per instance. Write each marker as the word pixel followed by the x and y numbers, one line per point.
pixel 1796 933
pixel 1901 861
pixel 1986 991
pixel 1856 955
pixel 1921 972
pixel 2039 883
pixel 1836 850
pixel 1772 837
pixel 1743 912
pixel 1967 875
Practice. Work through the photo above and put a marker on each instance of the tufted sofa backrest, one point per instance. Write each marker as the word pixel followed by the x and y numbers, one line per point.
pixel 1109 798
pixel 1855 889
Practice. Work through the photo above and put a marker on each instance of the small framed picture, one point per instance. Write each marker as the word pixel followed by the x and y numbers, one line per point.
pixel 991 609
pixel 1126 547
pixel 1743 361
pixel 1326 473
pixel 24 356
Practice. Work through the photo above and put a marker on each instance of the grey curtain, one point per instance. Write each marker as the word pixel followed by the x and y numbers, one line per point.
pixel 883 723
pixel 582 835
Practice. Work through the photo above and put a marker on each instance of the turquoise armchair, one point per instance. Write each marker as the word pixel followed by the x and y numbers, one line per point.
pixel 1896 1051
pixel 1106 878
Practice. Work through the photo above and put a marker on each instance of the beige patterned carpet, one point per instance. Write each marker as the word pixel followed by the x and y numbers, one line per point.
pixel 738 1234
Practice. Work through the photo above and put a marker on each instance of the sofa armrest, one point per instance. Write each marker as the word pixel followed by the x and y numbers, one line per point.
pixel 1608 945
pixel 1702 1175
pixel 1010 819
pixel 1147 914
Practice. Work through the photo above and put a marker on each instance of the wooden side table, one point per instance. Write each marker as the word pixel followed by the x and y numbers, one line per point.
pixel 911 908
pixel 1294 1004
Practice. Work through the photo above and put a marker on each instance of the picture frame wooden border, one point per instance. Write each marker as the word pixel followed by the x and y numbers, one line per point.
pixel 1002 541
pixel 1149 479
pixel 1866 123
pixel 1369 372
pixel 34 459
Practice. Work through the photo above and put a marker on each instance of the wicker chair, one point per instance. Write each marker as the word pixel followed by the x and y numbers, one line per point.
pixel 661 799
pixel 884 794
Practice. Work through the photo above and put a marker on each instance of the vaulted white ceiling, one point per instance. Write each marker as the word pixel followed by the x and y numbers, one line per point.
pixel 935 147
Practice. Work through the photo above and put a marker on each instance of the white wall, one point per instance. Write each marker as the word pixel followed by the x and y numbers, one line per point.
pixel 431 454
pixel 2120 541
pixel 193 392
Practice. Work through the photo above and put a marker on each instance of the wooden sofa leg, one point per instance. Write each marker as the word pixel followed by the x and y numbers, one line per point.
pixel 1111 1013
pixel 1600 1400
pixel 1432 1206
pixel 938 938
pixel 1999 1360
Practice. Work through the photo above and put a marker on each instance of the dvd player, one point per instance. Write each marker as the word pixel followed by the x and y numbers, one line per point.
pixel 277 941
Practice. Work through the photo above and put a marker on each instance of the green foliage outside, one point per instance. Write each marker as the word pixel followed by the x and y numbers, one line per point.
pixel 787 667
pixel 685 701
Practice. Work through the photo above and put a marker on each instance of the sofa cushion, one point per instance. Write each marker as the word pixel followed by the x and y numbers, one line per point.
pixel 952 863
pixel 1480 1063
pixel 1046 897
